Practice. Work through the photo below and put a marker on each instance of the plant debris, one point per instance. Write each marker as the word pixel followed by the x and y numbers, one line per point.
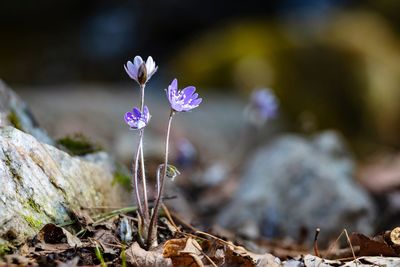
pixel 110 239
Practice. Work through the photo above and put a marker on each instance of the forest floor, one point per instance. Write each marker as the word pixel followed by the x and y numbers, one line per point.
pixel 96 240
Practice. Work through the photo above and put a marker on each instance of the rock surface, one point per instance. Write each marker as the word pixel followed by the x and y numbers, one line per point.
pixel 14 112
pixel 295 184
pixel 41 184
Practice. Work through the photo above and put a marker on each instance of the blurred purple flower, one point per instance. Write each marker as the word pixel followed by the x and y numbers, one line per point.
pixel 136 119
pixel 139 70
pixel 186 153
pixel 182 100
pixel 263 106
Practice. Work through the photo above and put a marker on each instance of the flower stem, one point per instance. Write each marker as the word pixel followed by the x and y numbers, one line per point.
pixel 143 172
pixel 135 179
pixel 160 186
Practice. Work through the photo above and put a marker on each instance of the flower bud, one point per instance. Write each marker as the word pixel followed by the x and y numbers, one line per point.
pixel 142 74
pixel 171 172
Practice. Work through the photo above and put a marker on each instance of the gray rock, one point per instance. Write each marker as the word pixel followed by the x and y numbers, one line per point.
pixel 40 183
pixel 14 112
pixel 294 184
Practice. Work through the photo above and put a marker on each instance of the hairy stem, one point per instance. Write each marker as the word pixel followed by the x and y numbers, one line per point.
pixel 158 179
pixel 135 179
pixel 143 172
pixel 160 183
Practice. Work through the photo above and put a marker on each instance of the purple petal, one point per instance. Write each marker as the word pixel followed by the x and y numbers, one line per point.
pixel 138 61
pixel 174 85
pixel 150 66
pixel 188 91
pixel 136 113
pixel 172 88
pixel 146 114
pixel 196 102
pixel 128 116
pixel 152 72
pixel 145 110
pixel 131 70
pixel 177 107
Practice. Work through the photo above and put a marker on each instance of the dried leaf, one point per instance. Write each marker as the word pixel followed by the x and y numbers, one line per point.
pixel 370 247
pixel 83 218
pixel 53 234
pixel 173 247
pixel 137 256
pixel 107 239
pixel 310 260
pixel 184 252
pixel 374 261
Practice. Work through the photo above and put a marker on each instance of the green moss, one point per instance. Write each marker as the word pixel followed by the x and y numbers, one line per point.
pixel 78 145
pixel 14 120
pixel 33 205
pixel 5 249
pixel 122 178
pixel 34 223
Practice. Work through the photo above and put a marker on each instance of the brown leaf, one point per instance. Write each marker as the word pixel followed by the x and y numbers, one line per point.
pixel 371 247
pixel 83 218
pixel 228 254
pixel 107 239
pixel 53 234
pixel 173 246
pixel 184 252
pixel 137 256
pixel 239 256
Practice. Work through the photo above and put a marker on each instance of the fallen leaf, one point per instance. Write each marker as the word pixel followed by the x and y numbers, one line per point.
pixel 239 256
pixel 310 260
pixel 53 234
pixel 107 240
pixel 137 256
pixel 374 261
pixel 184 252
pixel 371 247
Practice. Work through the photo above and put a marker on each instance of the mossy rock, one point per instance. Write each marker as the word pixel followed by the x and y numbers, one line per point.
pixel 78 145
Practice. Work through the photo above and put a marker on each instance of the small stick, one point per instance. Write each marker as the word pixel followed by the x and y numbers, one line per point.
pixel 218 239
pixel 332 245
pixel 168 215
pixel 316 251
pixel 351 246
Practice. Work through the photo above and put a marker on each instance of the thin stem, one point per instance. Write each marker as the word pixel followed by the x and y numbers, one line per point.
pixel 144 183
pixel 153 221
pixel 143 172
pixel 135 178
pixel 142 97
pixel 158 179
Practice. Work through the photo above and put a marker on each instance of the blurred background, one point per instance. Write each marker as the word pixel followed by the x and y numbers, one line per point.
pixel 332 65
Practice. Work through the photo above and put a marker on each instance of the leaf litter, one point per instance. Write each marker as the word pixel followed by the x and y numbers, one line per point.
pixel 109 239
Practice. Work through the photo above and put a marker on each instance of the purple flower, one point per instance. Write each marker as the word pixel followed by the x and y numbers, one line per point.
pixel 139 70
pixel 182 100
pixel 263 106
pixel 136 119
